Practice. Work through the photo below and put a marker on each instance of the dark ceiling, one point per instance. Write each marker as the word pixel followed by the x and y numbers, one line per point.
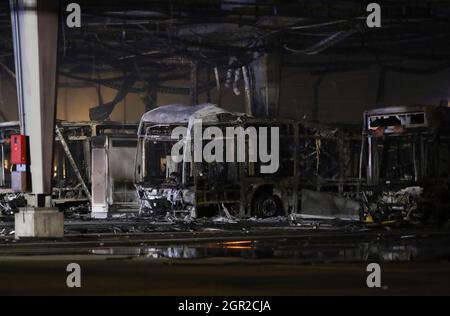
pixel 151 42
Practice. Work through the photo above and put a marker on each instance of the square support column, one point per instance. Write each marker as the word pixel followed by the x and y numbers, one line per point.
pixel 35 35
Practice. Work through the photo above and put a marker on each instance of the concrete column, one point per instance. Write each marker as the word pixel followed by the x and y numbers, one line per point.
pixel 266 85
pixel 35 35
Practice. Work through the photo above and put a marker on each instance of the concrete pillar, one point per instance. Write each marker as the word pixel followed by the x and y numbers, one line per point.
pixel 35 35
pixel 100 177
pixel 266 85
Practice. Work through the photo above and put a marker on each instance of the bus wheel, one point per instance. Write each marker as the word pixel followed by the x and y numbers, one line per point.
pixel 267 205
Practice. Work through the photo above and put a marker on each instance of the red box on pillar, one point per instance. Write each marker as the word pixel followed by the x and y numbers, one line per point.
pixel 18 149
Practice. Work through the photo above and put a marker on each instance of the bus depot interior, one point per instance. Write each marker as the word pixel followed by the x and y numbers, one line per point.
pixel 258 130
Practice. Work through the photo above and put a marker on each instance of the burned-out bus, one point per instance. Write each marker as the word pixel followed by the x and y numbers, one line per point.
pixel 405 163
pixel 97 173
pixel 309 158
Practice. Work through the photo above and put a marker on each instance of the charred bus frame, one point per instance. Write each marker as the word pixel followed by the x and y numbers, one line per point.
pixel 237 188
pixel 72 171
pixel 405 163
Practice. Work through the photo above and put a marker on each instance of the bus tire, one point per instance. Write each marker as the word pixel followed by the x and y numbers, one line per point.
pixel 266 205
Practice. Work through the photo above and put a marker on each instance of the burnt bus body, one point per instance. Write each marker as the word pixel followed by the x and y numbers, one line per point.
pixel 239 188
pixel 67 187
pixel 201 188
pixel 405 161
pixel 67 190
pixel 113 149
pixel 89 142
pixel 327 171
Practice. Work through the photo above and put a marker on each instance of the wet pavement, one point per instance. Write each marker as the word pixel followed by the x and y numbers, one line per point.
pixel 218 276
pixel 280 238
pixel 214 257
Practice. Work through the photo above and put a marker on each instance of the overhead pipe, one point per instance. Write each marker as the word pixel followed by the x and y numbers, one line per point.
pixel 323 44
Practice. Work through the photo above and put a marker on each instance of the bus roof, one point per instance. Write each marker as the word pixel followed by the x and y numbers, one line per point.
pixel 181 114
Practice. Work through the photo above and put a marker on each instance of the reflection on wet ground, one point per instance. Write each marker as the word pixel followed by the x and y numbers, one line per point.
pixel 277 238
pixel 273 257
pixel 331 249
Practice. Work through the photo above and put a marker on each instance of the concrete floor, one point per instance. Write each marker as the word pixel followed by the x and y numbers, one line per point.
pixel 218 276
pixel 213 259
